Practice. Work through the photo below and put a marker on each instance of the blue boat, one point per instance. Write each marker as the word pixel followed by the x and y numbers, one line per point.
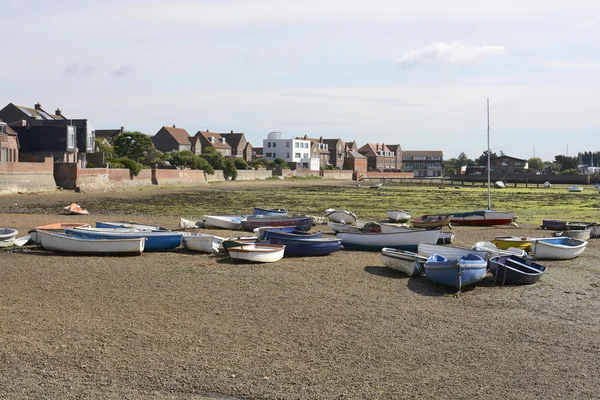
pixel 515 270
pixel 302 222
pixel 302 247
pixel 295 234
pixel 464 271
pixel 155 240
pixel 270 212
pixel 129 225
pixel 262 231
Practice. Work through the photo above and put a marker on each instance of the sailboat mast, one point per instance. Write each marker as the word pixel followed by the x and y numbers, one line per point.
pixel 488 154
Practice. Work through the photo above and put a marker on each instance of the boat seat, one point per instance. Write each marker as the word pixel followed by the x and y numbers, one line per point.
pixel 510 263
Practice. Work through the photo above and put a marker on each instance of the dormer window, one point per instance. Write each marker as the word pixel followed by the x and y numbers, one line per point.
pixel 212 139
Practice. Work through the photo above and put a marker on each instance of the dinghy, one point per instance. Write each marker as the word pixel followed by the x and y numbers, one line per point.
pixel 75 209
pixel 449 252
pixel 271 212
pixel 239 241
pixel 515 270
pixel 466 270
pixel 297 234
pixel 399 215
pixel 339 227
pixel 340 216
pixel 584 234
pixel 575 189
pixel 231 222
pixel 483 218
pixel 190 224
pixel 7 236
pixel 505 242
pixel 155 240
pixel 251 223
pixel 263 253
pixel 431 221
pixel 376 241
pixel 58 227
pixel 403 261
pixel 495 251
pixel 558 248
pixel 202 242
pixel 306 247
pixel 91 246
pixel 262 231
pixel 128 225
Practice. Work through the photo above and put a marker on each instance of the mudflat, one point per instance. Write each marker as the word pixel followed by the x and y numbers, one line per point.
pixel 181 325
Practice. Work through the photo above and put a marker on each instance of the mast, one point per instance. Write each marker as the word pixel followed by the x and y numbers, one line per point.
pixel 488 154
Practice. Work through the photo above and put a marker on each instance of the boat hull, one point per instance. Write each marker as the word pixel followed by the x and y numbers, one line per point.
pixel 341 216
pixel 431 221
pixel 377 241
pixel 299 247
pixel 515 270
pixel 455 273
pixel 223 222
pixel 271 212
pixel 506 242
pixel 263 253
pixel 202 243
pixel 399 215
pixel 262 231
pixel 7 236
pixel 155 240
pixel 403 261
pixel 338 227
pixel 584 234
pixel 251 223
pixel 483 218
pixel 128 224
pixel 451 253
pixel 63 242
pixel 58 227
pixel 560 248
pixel 297 235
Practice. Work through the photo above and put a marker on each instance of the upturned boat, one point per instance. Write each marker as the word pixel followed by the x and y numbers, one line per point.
pixel 271 212
pixel 584 234
pixel 67 243
pixel 449 252
pixel 202 242
pixel 7 236
pixel 403 261
pixel 296 234
pixel 251 223
pixel 231 222
pixel 483 218
pixel 515 270
pixel 466 270
pixel 557 248
pixel 306 247
pixel 554 224
pixel 263 253
pixel 340 216
pixel 155 240
pixel 376 241
pixel 190 224
pixel 339 227
pixel 399 215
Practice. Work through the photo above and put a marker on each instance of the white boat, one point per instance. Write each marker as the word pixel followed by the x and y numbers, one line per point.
pixel 75 244
pixel 575 188
pixel 449 252
pixel 399 215
pixel 557 248
pixel 403 261
pixel 58 227
pixel 232 222
pixel 338 227
pixel 584 234
pixel 202 242
pixel 495 251
pixel 499 185
pixel 7 236
pixel 263 253
pixel 341 216
pixel 190 224
pixel 408 240
pixel 391 228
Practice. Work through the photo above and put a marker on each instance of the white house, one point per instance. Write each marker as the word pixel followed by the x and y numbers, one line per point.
pixel 291 150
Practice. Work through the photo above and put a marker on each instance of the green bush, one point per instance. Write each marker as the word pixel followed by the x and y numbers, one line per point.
pixel 229 169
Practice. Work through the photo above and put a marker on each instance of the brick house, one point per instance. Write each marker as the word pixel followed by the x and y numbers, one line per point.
pixel 508 165
pixel 423 162
pixel 337 152
pixel 379 156
pixel 350 146
pixel 42 134
pixel 318 149
pixel 214 140
pixel 9 144
pixel 169 139
pixel 240 147
pixel 397 150
pixel 357 163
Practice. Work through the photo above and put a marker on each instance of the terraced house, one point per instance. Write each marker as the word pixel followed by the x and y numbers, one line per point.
pixel 423 162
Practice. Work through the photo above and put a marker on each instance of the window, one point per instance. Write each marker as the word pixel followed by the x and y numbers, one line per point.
pixel 305 155
pixel 287 155
pixel 297 144
pixel 4 154
pixel 70 137
pixel 298 154
pixel 268 144
pixel 274 144
pixel 287 144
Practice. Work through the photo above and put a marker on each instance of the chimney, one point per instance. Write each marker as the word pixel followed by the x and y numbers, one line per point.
pixel 232 131
pixel 174 126
pixel 57 112
pixel 207 130
pixel 38 106
pixel 122 129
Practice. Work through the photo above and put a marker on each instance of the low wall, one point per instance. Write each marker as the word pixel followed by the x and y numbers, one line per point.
pixel 183 177
pixel 514 178
pixel 337 174
pixel 27 177
pixel 216 177
pixel 252 174
pixel 389 175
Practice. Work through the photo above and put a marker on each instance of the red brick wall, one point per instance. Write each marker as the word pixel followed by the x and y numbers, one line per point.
pixel 28 167
pixel 390 175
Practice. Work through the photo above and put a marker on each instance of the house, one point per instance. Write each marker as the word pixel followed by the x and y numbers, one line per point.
pixel 508 165
pixel 109 135
pixel 257 152
pixel 350 146
pixel 297 152
pixel 44 134
pixel 337 152
pixel 397 151
pixel 214 140
pixel 379 156
pixel 423 162
pixel 9 144
pixel 240 147
pixel 318 149
pixel 357 163
pixel 169 139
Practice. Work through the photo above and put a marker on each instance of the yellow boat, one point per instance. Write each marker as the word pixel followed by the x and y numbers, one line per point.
pixel 505 242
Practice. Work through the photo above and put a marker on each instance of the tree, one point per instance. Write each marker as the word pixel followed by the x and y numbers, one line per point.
pixel 133 145
pixel 280 162
pixel 463 159
pixel 229 170
pixel 240 163
pixel 566 162
pixel 214 158
pixel 482 160
pixel 183 158
pixel 200 163
pixel 536 163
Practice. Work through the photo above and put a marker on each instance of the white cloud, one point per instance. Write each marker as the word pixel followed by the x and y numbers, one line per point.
pixel 122 71
pixel 449 53
pixel 587 24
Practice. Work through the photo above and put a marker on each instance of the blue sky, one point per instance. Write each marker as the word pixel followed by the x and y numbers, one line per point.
pixel 414 73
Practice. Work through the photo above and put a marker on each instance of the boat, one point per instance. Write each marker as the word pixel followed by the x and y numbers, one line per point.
pixel 231 222
pixel 297 234
pixel 155 240
pixel 431 221
pixel 505 242
pixel 515 270
pixel 557 248
pixel 129 224
pixel 499 185
pixel 385 227
pixel 202 242
pixel 74 209
pixel 7 236
pixel 376 241
pixel 317 220
pixel 399 215
pixel 339 227
pixel 262 231
pixel 306 247
pixel 403 261
pixel 340 216
pixel 594 230
pixel 464 271
pixel 302 222
pixel 58 227
pixel 554 224
pixel 67 243
pixel 263 253
pixel 376 186
pixel 576 234
pixel 22 241
pixel 239 241
pixel 575 226
pixel 449 252
pixel 190 224
pixel 271 212
pixel 575 188
pixel 495 251
pixel 445 237
pixel 483 218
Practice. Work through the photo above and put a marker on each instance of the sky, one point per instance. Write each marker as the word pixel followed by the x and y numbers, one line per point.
pixel 416 73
